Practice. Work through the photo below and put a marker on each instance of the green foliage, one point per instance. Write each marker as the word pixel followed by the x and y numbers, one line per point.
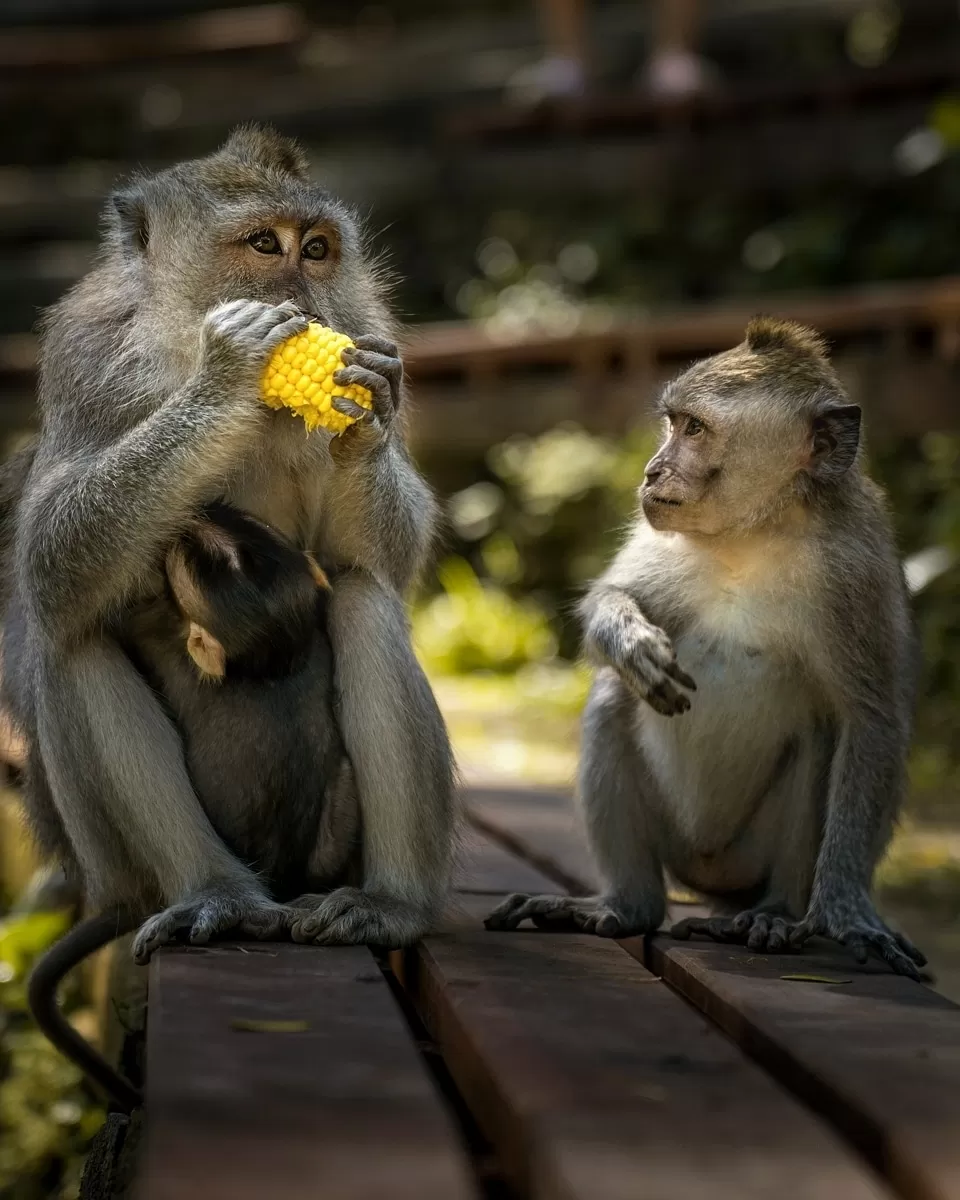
pixel 46 1117
pixel 540 525
pixel 471 626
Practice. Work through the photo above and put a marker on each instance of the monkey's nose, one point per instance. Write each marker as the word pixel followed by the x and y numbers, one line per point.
pixel 652 473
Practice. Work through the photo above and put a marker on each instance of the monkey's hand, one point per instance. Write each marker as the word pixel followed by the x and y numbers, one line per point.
pixel 373 363
pixel 214 910
pixel 762 929
pixel 349 916
pixel 641 653
pixel 587 914
pixel 236 341
pixel 855 923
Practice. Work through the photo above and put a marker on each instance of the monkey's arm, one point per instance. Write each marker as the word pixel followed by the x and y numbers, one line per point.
pixel 868 676
pixel 381 514
pixel 96 515
pixel 619 635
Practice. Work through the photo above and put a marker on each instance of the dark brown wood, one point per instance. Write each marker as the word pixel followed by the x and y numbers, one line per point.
pixel 344 1110
pixel 592 1080
pixel 484 867
pixel 878 1055
pixel 538 825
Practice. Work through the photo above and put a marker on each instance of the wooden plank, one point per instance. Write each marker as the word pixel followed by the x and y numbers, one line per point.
pixel 484 867
pixel 538 825
pixel 592 1080
pixel 344 1109
pixel 879 1056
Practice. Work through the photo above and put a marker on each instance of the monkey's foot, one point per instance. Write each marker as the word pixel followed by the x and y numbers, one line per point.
pixel 586 914
pixel 859 927
pixel 766 930
pixel 214 911
pixel 351 917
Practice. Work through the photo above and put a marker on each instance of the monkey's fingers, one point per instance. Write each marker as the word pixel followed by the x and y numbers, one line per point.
pixel 390 369
pixel 665 698
pixel 378 387
pixel 520 907
pixel 680 676
pixel 718 928
pixel 910 950
pixel 381 345
pixel 886 945
pixel 350 408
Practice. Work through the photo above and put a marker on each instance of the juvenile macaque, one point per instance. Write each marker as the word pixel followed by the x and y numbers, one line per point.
pixel 241 655
pixel 149 393
pixel 749 722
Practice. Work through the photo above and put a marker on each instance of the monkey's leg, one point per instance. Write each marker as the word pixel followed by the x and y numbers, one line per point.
pixel 117 775
pixel 396 740
pixel 794 798
pixel 866 778
pixel 617 793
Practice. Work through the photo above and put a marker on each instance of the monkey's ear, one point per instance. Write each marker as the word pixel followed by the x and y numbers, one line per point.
pixel 128 212
pixel 206 652
pixel 262 146
pixel 835 438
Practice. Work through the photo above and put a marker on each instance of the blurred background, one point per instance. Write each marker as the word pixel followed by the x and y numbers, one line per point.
pixel 576 198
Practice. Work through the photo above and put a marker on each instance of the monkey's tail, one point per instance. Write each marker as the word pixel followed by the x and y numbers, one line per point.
pixel 85 938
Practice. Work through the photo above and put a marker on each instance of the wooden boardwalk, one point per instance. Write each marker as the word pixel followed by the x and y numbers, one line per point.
pixel 549 1066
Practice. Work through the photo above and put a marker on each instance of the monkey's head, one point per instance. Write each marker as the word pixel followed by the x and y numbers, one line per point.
pixel 750 433
pixel 249 600
pixel 243 223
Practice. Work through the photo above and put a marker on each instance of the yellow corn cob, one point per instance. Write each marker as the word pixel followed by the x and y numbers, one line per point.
pixel 299 376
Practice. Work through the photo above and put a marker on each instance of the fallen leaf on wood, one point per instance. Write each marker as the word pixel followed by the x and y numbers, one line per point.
pixel 244 1025
pixel 813 979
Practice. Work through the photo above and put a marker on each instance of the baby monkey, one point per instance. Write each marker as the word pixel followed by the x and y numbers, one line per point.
pixel 749 723
pixel 246 614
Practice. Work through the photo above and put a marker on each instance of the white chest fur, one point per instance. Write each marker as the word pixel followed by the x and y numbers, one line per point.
pixel 752 700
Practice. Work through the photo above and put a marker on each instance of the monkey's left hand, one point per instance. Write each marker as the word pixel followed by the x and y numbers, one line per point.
pixel 373 363
pixel 856 924
pixel 349 916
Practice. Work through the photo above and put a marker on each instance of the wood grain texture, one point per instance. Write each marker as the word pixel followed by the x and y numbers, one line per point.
pixel 344 1110
pixel 879 1056
pixel 594 1082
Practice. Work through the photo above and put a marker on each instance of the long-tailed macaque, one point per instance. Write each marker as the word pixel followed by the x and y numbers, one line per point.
pixel 749 722
pixel 149 382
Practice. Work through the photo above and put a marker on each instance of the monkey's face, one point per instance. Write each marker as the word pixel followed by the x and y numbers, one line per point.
pixel 727 460
pixel 246 223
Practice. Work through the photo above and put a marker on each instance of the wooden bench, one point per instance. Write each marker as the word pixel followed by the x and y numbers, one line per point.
pixel 555 1066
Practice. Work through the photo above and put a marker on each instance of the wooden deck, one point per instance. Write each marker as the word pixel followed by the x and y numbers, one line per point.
pixel 550 1066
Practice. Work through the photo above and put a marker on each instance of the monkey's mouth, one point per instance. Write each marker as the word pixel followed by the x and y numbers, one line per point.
pixel 664 500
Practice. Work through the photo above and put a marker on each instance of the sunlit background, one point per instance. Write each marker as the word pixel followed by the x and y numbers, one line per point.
pixel 575 199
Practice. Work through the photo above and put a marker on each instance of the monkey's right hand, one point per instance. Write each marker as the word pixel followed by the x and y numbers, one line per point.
pixel 236 341
pixel 644 658
pixel 217 909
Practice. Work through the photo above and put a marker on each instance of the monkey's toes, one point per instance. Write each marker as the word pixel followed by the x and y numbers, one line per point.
pixel 505 915
pixel 352 917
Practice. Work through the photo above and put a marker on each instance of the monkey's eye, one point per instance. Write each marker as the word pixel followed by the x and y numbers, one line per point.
pixel 694 427
pixel 317 248
pixel 264 241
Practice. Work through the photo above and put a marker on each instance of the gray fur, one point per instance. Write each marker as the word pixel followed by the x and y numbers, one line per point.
pixel 149 375
pixel 762 563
